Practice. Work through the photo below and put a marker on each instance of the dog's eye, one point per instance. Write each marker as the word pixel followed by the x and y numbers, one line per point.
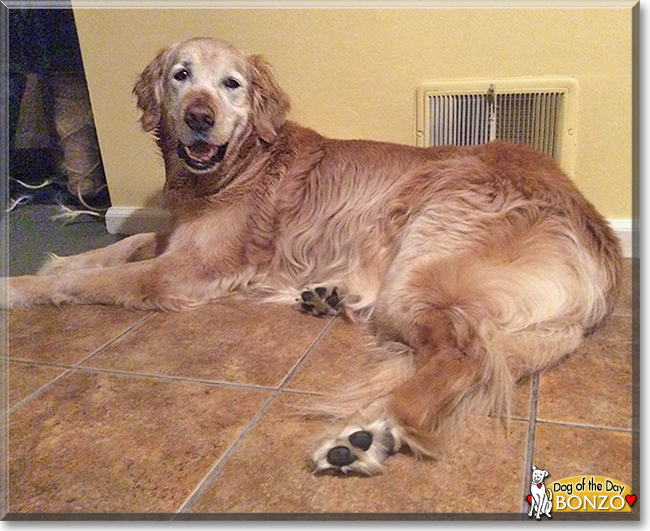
pixel 181 75
pixel 232 83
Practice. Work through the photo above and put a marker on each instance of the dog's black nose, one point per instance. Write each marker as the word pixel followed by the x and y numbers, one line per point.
pixel 340 456
pixel 199 118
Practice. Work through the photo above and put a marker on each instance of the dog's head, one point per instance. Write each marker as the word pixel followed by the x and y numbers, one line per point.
pixel 539 475
pixel 205 94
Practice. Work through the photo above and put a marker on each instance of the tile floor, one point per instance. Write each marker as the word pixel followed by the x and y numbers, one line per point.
pixel 198 413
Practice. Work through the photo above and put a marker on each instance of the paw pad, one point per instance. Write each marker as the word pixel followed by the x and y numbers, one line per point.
pixel 340 456
pixel 320 301
pixel 361 439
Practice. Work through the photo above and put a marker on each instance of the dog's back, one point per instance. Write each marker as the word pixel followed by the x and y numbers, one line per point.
pixel 358 206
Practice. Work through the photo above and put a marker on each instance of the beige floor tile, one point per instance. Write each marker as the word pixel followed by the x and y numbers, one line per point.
pixel 343 357
pixel 567 451
pixel 25 379
pixel 271 472
pixel 104 443
pixel 239 341
pixel 593 386
pixel 67 334
pixel 347 355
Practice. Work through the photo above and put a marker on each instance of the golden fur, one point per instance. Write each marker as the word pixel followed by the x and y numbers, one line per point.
pixel 483 263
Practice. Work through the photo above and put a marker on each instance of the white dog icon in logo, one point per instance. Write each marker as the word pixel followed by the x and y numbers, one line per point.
pixel 540 497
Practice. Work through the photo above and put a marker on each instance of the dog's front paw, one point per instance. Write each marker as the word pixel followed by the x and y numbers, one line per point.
pixel 357 449
pixel 320 301
pixel 29 290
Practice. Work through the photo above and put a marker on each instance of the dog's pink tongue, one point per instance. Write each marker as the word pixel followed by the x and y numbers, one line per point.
pixel 201 151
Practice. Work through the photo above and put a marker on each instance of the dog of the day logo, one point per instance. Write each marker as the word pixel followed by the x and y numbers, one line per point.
pixel 578 494
pixel 540 496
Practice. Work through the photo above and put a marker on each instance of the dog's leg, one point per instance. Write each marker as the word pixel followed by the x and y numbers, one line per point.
pixel 421 405
pixel 164 282
pixel 413 415
pixel 132 249
pixel 415 411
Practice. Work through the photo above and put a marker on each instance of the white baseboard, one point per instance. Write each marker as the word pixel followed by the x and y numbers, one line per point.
pixel 623 229
pixel 133 220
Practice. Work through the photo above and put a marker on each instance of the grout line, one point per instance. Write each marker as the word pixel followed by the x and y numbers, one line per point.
pixel 304 357
pixel 164 377
pixel 40 390
pixel 303 393
pixel 584 426
pixel 216 469
pixel 530 447
pixel 214 472
pixel 39 363
pixel 119 336
pixel 183 379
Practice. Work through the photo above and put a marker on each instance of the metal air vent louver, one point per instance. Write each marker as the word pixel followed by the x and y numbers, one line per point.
pixel 538 112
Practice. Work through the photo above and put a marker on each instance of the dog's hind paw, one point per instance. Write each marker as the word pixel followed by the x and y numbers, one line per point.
pixel 357 449
pixel 320 301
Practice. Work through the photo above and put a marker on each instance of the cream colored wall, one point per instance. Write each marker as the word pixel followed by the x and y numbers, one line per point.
pixel 352 73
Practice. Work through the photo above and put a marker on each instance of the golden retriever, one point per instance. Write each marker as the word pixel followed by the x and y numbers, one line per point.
pixel 475 266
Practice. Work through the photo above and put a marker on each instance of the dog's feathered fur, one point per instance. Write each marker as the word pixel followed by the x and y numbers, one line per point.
pixel 485 261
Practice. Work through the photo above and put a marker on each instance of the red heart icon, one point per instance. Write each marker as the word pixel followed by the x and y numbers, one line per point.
pixel 630 498
pixel 530 499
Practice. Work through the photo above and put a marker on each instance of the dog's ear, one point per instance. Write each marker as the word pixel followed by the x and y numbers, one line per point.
pixel 545 473
pixel 534 468
pixel 148 91
pixel 269 102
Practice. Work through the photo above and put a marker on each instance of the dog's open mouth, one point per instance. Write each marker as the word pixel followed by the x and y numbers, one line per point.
pixel 201 155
